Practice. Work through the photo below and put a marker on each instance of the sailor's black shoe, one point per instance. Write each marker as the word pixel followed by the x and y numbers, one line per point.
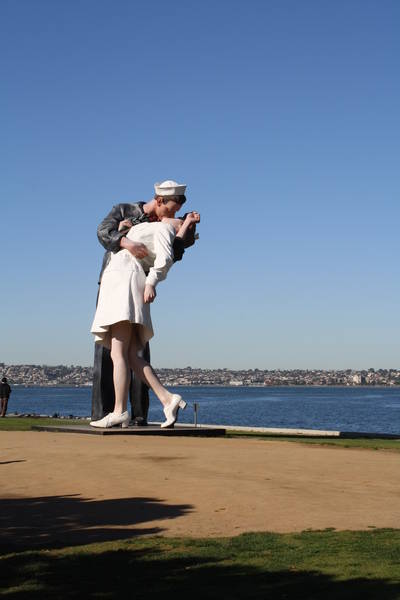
pixel 139 422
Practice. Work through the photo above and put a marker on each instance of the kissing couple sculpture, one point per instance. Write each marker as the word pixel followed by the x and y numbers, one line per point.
pixel 143 240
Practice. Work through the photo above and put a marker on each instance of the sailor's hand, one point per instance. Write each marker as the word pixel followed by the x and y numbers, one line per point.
pixel 149 293
pixel 126 224
pixel 137 249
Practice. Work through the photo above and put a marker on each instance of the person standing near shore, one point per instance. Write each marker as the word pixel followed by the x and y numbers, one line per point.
pixel 5 392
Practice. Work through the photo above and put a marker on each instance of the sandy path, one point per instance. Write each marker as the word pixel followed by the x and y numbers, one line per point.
pixel 69 488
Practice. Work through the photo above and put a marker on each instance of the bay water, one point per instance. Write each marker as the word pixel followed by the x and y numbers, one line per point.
pixel 353 409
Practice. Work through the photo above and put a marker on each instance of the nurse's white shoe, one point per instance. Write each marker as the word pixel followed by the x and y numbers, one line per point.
pixel 112 420
pixel 171 410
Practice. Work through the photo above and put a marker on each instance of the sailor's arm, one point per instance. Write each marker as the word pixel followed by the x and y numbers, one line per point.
pixel 112 237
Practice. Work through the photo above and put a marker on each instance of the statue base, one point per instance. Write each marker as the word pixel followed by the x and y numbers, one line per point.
pixel 150 429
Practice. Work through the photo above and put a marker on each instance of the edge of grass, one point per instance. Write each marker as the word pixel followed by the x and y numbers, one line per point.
pixel 366 443
pixel 26 423
pixel 19 423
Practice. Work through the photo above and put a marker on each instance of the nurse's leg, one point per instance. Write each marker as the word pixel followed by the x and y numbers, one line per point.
pixel 120 340
pixel 145 371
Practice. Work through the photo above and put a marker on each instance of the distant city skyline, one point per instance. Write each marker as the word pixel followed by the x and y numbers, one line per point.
pixel 281 118
pixel 80 376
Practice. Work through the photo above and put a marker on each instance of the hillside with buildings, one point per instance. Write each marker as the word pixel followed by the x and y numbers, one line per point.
pixel 75 375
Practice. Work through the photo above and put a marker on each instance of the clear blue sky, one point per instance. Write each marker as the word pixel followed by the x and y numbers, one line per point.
pixel 283 119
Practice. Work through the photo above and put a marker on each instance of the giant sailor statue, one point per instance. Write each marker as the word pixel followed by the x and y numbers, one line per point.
pixel 168 199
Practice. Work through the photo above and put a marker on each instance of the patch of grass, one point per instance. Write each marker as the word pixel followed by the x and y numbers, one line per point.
pixel 25 423
pixel 368 443
pixel 313 565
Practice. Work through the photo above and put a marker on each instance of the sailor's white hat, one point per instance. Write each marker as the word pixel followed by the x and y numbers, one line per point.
pixel 169 188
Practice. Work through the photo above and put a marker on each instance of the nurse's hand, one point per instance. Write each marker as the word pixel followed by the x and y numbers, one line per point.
pixel 137 249
pixel 149 293
pixel 193 217
pixel 126 224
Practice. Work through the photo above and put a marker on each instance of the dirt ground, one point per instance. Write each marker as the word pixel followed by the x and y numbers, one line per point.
pixel 62 488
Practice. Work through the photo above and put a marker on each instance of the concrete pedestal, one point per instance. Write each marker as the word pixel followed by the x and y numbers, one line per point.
pixel 151 429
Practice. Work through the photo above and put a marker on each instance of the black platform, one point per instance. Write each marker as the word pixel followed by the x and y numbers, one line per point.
pixel 151 429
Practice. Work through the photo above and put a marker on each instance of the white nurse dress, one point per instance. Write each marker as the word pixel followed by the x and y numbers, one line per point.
pixel 124 278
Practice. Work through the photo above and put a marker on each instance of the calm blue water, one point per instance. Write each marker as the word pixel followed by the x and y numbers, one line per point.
pixel 365 409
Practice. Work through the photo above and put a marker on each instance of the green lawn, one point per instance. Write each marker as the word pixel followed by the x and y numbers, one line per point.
pixel 25 423
pixel 325 565
pixel 369 443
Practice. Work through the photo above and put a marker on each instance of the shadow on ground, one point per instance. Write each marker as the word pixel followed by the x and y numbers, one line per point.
pixel 59 521
pixel 146 573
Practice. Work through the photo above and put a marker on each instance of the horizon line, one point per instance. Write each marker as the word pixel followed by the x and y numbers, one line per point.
pixel 24 364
